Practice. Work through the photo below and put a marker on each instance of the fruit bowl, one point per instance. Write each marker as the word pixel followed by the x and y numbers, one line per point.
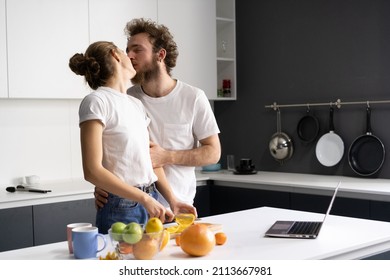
pixel 134 246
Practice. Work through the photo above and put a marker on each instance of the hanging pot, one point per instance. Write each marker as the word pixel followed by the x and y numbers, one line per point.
pixel 330 147
pixel 280 145
pixel 308 127
pixel 367 152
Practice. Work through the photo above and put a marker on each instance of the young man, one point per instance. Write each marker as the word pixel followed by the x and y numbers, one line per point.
pixel 183 128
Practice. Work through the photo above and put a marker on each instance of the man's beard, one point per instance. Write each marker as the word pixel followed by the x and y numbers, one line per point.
pixel 150 72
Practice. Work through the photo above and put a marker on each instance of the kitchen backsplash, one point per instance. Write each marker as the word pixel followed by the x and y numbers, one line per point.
pixel 39 137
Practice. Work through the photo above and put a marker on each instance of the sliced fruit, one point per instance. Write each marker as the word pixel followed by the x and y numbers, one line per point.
pixel 109 256
pixel 177 240
pixel 172 229
pixel 165 239
pixel 185 219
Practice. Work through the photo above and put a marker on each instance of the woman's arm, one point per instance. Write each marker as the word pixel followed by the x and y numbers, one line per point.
pixel 91 133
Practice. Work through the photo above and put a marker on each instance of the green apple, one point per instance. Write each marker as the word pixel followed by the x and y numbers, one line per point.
pixel 132 233
pixel 117 230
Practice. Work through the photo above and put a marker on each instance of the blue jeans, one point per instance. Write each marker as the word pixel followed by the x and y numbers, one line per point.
pixel 119 209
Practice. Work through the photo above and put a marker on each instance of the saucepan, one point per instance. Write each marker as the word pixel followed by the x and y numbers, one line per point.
pixel 367 153
pixel 330 147
pixel 280 145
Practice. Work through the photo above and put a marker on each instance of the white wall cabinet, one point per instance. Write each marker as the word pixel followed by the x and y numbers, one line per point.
pixel 226 46
pixel 110 26
pixel 192 22
pixel 41 37
pixel 43 34
pixel 3 53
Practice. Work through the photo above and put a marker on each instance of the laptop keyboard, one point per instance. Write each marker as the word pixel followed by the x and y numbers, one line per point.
pixel 304 228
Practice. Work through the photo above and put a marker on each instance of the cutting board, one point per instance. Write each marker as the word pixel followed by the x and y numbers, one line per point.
pixel 212 227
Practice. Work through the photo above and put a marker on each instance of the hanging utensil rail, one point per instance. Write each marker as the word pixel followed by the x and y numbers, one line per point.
pixel 337 104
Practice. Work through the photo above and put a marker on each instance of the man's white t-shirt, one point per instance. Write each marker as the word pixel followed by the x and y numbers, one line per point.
pixel 125 134
pixel 178 121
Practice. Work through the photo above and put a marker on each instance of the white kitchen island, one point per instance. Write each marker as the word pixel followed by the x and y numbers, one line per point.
pixel 340 238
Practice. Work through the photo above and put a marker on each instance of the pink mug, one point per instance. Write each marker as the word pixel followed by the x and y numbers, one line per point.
pixel 69 228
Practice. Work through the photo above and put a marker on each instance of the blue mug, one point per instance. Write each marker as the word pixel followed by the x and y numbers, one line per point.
pixel 85 242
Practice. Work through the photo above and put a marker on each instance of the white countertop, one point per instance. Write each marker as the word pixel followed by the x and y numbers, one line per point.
pixel 363 188
pixel 340 238
pixel 66 190
pixel 75 189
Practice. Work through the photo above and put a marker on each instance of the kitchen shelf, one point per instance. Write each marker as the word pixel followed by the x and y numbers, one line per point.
pixel 226 46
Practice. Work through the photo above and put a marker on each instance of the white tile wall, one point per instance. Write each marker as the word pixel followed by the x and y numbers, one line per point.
pixel 39 137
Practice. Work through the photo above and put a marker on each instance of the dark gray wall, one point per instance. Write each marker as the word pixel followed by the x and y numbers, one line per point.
pixel 307 51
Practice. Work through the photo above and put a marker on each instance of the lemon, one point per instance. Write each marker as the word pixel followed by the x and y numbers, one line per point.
pixel 154 225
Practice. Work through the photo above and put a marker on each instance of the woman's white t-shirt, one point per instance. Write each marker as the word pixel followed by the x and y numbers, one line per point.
pixel 125 134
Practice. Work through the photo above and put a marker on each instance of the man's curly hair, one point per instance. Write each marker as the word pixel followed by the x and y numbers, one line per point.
pixel 159 37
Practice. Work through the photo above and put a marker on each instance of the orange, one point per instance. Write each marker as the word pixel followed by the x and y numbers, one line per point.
pixel 145 249
pixel 125 248
pixel 177 240
pixel 197 240
pixel 220 238
pixel 165 239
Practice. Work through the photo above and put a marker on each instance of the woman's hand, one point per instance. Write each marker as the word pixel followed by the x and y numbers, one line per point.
pixel 156 209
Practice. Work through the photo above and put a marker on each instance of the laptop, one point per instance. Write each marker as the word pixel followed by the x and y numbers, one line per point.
pixel 300 229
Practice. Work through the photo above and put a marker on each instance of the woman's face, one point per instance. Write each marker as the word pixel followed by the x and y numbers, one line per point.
pixel 127 64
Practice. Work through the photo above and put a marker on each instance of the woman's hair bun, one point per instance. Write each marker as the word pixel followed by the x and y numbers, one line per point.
pixel 84 66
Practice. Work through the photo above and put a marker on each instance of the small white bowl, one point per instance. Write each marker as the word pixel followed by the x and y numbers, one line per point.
pixel 212 167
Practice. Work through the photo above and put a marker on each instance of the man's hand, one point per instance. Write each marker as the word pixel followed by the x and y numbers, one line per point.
pixel 158 155
pixel 100 197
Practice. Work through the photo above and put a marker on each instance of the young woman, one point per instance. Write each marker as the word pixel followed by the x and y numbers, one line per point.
pixel 115 141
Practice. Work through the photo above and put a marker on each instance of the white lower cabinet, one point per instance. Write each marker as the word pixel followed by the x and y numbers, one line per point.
pixel 41 37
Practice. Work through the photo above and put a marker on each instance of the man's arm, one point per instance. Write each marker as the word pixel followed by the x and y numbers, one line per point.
pixel 208 153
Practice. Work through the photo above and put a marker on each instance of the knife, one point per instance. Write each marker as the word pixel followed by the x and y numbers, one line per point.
pixel 25 189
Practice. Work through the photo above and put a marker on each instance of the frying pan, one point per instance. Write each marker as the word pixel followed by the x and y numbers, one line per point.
pixel 367 152
pixel 330 147
pixel 308 127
